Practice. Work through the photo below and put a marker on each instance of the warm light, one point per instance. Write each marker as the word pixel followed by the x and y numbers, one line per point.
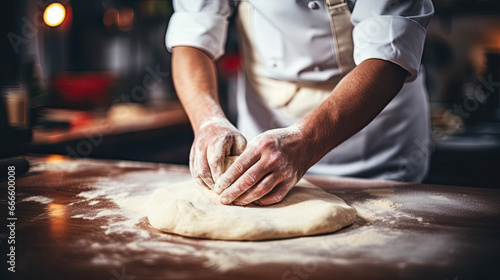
pixel 58 219
pixel 54 14
pixel 56 210
pixel 125 19
pixel 56 158
pixel 110 16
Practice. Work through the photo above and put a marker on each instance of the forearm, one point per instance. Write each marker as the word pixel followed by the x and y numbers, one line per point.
pixel 353 104
pixel 195 80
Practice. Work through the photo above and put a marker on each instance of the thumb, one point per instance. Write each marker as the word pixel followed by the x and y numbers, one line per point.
pixel 239 145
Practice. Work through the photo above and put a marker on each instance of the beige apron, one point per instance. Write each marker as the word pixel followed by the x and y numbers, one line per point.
pixel 389 148
pixel 293 99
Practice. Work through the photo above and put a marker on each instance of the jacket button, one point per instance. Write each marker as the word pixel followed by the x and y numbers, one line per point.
pixel 313 5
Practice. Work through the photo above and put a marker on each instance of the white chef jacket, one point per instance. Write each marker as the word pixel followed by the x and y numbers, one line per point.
pixel 295 40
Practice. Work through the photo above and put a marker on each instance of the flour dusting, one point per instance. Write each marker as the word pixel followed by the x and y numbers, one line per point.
pixel 376 209
pixel 137 242
pixel 39 199
pixel 439 197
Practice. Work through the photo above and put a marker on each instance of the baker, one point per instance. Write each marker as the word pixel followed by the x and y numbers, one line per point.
pixel 328 87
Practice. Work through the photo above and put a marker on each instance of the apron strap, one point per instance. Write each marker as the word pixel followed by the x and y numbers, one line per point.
pixel 340 22
pixel 334 2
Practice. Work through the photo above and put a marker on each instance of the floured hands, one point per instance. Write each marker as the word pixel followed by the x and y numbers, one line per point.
pixel 216 139
pixel 266 171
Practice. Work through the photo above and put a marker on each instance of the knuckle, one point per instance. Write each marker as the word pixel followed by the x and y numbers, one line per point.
pixel 287 174
pixel 239 190
pixel 266 185
pixel 275 198
pixel 225 137
pixel 250 179
pixel 258 190
pixel 212 147
pixel 223 182
pixel 238 167
pixel 206 177
pixel 203 170
pixel 273 160
pixel 215 161
pixel 266 142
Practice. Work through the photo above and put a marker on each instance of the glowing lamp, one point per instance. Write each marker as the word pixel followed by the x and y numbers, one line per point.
pixel 54 14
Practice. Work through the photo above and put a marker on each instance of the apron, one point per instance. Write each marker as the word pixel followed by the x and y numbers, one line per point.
pixel 385 149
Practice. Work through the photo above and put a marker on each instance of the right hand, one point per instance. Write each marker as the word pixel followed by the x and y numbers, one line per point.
pixel 215 140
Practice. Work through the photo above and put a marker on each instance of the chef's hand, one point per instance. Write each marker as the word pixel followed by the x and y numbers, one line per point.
pixel 216 139
pixel 272 164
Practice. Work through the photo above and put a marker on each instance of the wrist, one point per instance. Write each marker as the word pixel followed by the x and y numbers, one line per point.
pixel 215 120
pixel 316 138
pixel 203 114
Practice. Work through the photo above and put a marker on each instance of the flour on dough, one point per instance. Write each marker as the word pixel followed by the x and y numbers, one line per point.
pixel 191 210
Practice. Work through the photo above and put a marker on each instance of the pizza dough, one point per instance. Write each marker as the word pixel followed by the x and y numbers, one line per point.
pixel 189 209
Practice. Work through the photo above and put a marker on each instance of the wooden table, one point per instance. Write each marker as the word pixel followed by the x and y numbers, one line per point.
pixel 83 219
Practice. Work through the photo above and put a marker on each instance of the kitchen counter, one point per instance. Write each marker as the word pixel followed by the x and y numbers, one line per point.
pixel 84 219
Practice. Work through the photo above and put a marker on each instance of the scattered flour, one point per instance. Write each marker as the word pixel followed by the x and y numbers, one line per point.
pixel 150 247
pixel 439 197
pixel 383 210
pixel 225 256
pixel 62 165
pixel 102 259
pixel 361 238
pixel 130 192
pixel 384 205
pixel 375 209
pixel 39 199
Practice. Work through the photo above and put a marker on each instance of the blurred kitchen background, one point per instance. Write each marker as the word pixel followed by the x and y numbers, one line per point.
pixel 91 78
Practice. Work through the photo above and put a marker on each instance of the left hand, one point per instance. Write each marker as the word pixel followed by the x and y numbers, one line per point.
pixel 266 171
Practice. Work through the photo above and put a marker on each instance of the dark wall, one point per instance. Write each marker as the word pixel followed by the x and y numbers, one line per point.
pixel 10 60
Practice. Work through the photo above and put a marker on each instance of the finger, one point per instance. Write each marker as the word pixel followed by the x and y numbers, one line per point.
pixel 236 170
pixel 276 195
pixel 249 179
pixel 216 154
pixel 239 145
pixel 191 158
pixel 192 168
pixel 262 188
pixel 202 169
pixel 191 161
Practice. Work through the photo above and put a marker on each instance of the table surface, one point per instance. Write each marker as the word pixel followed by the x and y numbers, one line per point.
pixel 84 219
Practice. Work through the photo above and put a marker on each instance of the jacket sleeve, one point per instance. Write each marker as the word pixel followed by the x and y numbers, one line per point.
pixel 392 30
pixel 199 23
